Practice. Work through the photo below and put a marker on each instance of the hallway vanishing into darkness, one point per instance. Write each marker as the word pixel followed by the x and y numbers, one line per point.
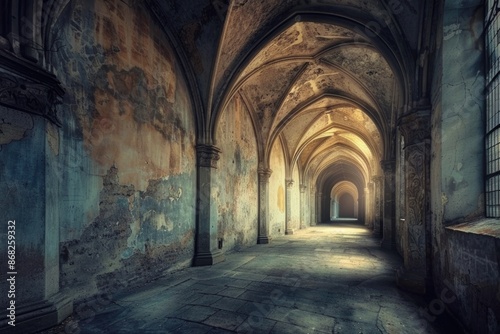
pixel 331 278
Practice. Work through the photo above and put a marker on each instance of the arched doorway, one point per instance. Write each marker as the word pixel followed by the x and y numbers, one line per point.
pixel 346 206
pixel 344 200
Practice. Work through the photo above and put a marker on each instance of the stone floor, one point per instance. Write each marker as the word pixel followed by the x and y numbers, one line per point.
pixel 326 279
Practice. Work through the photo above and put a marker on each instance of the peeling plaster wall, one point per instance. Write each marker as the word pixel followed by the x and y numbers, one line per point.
pixel 277 190
pixel 466 247
pixel 236 178
pixel 126 156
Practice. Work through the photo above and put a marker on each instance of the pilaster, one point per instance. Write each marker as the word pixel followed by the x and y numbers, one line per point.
pixel 319 200
pixel 378 214
pixel 206 250
pixel 303 189
pixel 368 206
pixel 388 218
pixel 288 213
pixel 264 175
pixel 416 273
pixel 313 206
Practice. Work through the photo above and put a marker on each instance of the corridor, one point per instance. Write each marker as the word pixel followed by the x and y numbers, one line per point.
pixel 331 278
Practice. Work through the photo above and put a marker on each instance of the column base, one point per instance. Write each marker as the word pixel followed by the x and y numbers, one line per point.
pixel 263 239
pixel 208 259
pixel 411 281
pixel 289 231
pixel 40 315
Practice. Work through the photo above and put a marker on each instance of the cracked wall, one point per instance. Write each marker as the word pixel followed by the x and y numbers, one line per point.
pixel 126 150
pixel 236 178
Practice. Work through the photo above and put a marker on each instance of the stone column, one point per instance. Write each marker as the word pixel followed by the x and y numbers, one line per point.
pixel 368 207
pixel 377 180
pixel 303 189
pixel 389 228
pixel 313 206
pixel 264 174
pixel 416 274
pixel 318 203
pixel 288 213
pixel 206 250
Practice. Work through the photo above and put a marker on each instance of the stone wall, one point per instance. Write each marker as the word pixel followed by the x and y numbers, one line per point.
pixel 465 245
pixel 237 188
pixel 119 176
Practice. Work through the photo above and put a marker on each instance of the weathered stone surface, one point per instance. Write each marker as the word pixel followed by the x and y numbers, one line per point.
pixel 291 289
pixel 182 126
pixel 237 177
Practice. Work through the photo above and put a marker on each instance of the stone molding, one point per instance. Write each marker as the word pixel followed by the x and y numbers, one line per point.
pixel 208 155
pixel 264 174
pixel 28 88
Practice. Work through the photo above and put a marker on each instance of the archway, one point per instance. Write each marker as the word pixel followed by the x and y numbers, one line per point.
pixel 347 206
pixel 344 200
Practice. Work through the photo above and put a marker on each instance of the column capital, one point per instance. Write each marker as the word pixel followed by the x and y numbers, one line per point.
pixel 303 188
pixel 264 173
pixel 416 126
pixel 208 155
pixel 377 179
pixel 289 183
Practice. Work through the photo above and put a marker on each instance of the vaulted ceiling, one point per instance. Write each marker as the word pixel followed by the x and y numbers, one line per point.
pixel 325 77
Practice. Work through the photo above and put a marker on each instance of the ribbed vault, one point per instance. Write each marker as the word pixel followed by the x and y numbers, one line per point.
pixel 329 93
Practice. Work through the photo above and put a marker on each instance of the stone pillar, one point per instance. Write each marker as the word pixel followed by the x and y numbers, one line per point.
pixel 206 250
pixel 312 206
pixel 368 207
pixel 389 228
pixel 30 203
pixel 288 213
pixel 264 174
pixel 332 208
pixel 318 202
pixel 377 180
pixel 416 274
pixel 303 189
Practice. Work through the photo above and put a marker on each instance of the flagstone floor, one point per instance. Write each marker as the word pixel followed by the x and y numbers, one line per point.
pixel 331 278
